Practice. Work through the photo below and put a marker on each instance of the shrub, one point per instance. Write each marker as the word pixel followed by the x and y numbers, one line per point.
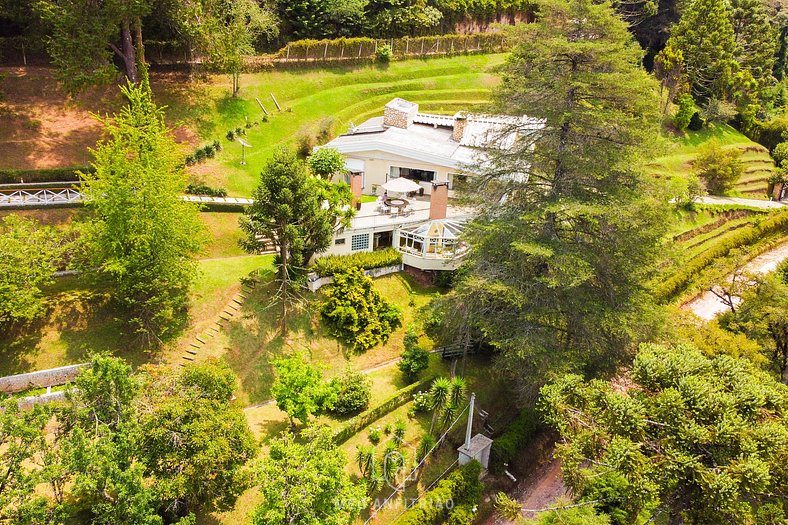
pixel 384 54
pixel 326 266
pixel 769 133
pixel 515 438
pixel 357 423
pixel 239 131
pixel 686 108
pixel 461 487
pixel 217 146
pixel 718 111
pixel 12 176
pixel 414 358
pixel 357 313
pixel 374 435
pixel 306 140
pixel 209 151
pixel 199 155
pixel 326 162
pixel 189 160
pixel 780 153
pixel 353 392
pixel 231 135
pixel 461 515
pixel 421 401
pixel 696 122
pixel 202 189
pixel 719 168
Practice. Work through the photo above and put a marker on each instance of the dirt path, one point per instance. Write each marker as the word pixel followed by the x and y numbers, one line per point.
pixel 707 305
pixel 538 491
pixel 755 203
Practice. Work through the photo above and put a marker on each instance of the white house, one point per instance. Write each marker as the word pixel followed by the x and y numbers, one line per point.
pixel 436 152
pixel 423 147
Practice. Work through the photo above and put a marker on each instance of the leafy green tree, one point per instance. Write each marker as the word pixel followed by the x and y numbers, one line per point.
pixel 763 316
pixel 357 313
pixel 303 482
pixel 299 389
pixel 669 70
pixel 193 441
pixel 29 254
pixel 22 438
pixel 780 153
pixel 705 37
pixel 142 236
pixel 718 168
pixel 414 359
pixel 226 30
pixel 326 162
pixel 697 439
pixel 395 18
pixel 557 274
pixel 353 391
pixel 85 36
pixel 568 515
pixel 288 212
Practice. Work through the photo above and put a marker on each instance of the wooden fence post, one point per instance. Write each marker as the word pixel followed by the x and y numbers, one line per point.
pixel 288 53
pixel 325 50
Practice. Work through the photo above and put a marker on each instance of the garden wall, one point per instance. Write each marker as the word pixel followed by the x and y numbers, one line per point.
pixel 28 402
pixel 40 379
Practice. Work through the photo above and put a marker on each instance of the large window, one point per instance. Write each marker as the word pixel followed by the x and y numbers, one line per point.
pixel 359 242
pixel 412 174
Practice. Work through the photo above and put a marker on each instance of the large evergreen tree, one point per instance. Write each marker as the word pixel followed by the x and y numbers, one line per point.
pixel 705 36
pixel 142 237
pixel 568 226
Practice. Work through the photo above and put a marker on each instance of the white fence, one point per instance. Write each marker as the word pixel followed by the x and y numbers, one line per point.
pixel 64 196
pixel 40 379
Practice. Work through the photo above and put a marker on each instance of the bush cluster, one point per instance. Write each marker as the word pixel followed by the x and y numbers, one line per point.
pixel 679 281
pixel 769 133
pixel 460 489
pixel 237 132
pixel 414 357
pixel 208 151
pixel 356 313
pixel 519 433
pixel 202 189
pixel 332 264
pixel 353 392
pixel 12 176
pixel 356 423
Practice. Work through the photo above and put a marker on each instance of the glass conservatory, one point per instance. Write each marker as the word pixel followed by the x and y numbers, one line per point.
pixel 435 239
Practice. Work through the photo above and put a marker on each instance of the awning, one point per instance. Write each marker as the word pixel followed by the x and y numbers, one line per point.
pixel 354 165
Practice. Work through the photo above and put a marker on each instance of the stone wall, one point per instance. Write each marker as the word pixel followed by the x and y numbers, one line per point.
pixel 50 397
pixel 39 379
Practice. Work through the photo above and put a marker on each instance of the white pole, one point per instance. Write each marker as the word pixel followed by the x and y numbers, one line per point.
pixel 470 423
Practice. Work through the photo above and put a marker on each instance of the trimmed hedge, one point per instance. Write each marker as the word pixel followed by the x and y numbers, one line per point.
pixel 10 176
pixel 461 487
pixel 331 264
pixel 519 433
pixel 676 283
pixel 364 419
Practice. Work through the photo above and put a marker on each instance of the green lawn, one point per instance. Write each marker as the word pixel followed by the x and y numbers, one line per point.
pixel 680 152
pixel 335 96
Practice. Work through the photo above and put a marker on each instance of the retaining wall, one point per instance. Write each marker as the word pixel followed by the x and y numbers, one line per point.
pixel 314 283
pixel 40 379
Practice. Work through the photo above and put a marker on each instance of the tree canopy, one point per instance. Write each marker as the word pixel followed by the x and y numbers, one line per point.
pixel 696 438
pixel 568 225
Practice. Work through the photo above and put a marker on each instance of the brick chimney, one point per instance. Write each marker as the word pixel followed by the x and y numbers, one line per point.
pixel 460 122
pixel 399 113
pixel 439 200
pixel 356 187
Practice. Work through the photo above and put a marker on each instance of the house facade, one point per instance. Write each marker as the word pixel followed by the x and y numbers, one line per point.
pixel 437 152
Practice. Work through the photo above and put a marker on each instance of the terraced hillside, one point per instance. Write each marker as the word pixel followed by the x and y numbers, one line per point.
pixel 315 105
pixel 676 164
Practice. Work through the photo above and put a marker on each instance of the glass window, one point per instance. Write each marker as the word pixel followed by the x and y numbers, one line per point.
pixel 412 174
pixel 340 241
pixel 359 242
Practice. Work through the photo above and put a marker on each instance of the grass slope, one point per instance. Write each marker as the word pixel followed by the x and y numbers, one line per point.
pixel 681 152
pixel 309 97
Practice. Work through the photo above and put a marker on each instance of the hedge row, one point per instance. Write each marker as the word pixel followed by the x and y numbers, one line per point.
pixel 677 282
pixel 462 487
pixel 355 424
pixel 331 264
pixel 10 176
pixel 516 437
pixel 769 133
pixel 362 47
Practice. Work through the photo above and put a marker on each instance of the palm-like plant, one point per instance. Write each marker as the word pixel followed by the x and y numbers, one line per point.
pixel 439 397
pixel 457 391
pixel 365 459
pixel 398 435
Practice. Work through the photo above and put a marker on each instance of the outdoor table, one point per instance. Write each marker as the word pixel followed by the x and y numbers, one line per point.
pixel 397 203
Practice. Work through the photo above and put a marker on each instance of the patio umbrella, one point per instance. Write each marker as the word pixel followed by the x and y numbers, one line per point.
pixel 401 185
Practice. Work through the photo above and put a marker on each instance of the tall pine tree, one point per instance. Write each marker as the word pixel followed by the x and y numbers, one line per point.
pixel 560 250
pixel 705 37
